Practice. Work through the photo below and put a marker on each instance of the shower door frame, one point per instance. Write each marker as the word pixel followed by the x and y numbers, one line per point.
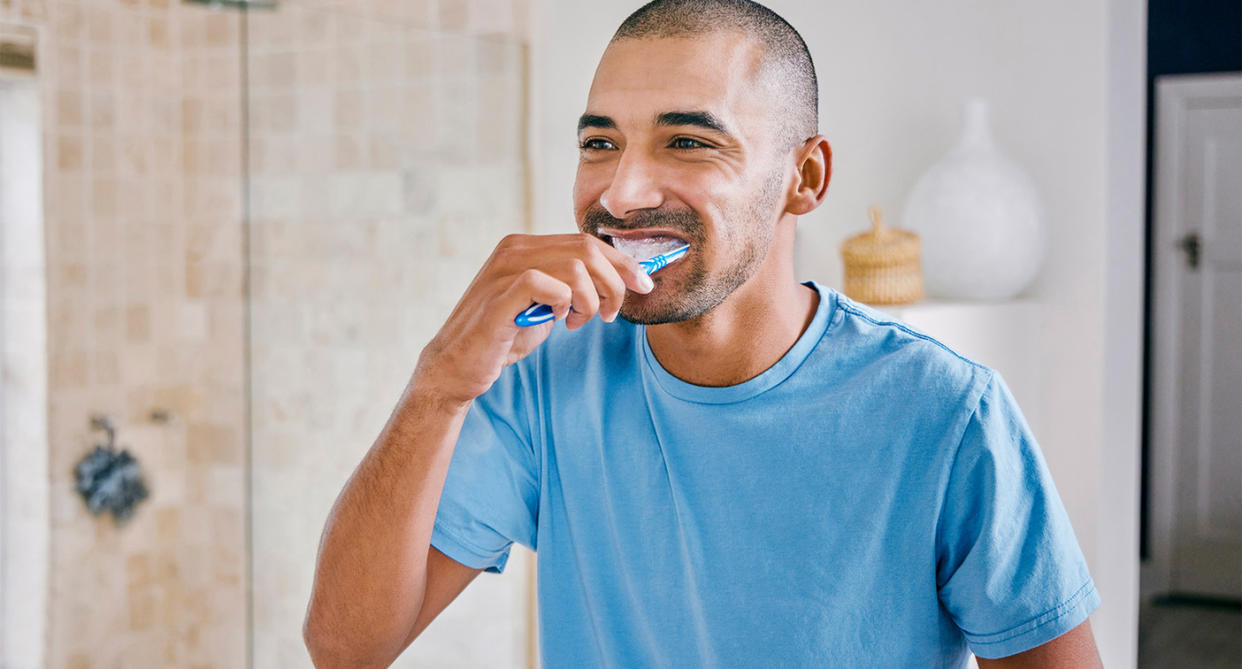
pixel 19 87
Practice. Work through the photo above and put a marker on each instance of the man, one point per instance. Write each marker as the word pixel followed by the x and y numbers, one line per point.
pixel 742 471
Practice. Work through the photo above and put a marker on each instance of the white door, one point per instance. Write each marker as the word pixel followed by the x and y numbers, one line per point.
pixel 1198 315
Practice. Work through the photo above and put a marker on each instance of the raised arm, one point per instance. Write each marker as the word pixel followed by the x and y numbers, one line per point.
pixel 378 582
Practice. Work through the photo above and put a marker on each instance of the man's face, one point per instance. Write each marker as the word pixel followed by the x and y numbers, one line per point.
pixel 679 140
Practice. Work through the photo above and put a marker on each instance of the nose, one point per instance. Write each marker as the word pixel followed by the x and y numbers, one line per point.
pixel 633 186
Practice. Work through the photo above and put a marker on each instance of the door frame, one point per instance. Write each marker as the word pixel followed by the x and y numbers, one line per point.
pixel 1174 95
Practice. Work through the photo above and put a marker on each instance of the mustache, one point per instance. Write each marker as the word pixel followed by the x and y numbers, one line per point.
pixel 684 221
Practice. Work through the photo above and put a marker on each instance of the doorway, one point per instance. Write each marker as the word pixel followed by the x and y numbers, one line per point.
pixel 1197 377
pixel 1191 511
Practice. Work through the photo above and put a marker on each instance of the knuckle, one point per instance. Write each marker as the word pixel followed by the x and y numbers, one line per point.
pixel 587 242
pixel 579 269
pixel 593 249
pixel 511 240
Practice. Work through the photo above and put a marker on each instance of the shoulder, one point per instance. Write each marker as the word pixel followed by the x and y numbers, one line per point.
pixel 871 342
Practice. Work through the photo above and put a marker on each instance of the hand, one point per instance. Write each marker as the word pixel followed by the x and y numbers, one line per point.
pixel 578 275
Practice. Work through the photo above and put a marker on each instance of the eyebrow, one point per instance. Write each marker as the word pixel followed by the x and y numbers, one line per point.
pixel 700 119
pixel 595 121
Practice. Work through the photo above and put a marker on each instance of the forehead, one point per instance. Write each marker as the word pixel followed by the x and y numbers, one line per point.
pixel 638 79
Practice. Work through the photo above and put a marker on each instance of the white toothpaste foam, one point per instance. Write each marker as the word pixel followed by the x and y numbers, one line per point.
pixel 646 248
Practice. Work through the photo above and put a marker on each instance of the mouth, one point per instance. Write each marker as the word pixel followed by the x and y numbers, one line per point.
pixel 642 244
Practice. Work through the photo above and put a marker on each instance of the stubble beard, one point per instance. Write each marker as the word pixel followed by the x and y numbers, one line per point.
pixel 698 291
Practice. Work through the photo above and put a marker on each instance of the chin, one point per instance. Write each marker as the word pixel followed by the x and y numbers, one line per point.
pixel 638 310
pixel 683 292
pixel 647 310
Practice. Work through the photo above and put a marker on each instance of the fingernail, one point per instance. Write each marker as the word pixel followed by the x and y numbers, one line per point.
pixel 646 282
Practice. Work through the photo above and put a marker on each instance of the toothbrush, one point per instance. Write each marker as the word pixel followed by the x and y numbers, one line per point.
pixel 542 313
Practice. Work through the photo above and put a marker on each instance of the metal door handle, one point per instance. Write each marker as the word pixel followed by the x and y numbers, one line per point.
pixel 1191 244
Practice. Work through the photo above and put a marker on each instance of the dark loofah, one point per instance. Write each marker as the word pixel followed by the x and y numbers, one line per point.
pixel 110 481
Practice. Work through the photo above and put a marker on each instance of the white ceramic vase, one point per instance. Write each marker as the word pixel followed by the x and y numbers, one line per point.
pixel 979 218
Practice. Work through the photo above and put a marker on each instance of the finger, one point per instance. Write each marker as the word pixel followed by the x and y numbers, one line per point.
pixel 608 284
pixel 534 286
pixel 631 272
pixel 585 299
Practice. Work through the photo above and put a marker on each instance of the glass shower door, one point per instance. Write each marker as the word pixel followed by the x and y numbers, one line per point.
pixel 386 156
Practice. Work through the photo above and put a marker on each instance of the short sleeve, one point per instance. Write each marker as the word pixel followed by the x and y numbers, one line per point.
pixel 491 491
pixel 1009 569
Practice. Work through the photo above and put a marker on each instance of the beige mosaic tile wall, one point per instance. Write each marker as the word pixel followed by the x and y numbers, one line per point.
pixel 387 159
pixel 142 149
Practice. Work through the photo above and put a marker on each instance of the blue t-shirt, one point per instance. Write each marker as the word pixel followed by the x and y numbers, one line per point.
pixel 872 500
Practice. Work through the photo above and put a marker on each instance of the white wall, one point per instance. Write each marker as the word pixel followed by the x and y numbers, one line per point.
pixel 1121 394
pixel 1060 76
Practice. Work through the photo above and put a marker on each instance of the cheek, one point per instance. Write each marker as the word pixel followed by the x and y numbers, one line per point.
pixel 716 204
pixel 705 192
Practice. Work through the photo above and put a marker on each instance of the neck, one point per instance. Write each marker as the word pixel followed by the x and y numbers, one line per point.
pixel 744 335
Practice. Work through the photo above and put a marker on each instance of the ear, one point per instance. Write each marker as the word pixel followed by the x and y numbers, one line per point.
pixel 814 160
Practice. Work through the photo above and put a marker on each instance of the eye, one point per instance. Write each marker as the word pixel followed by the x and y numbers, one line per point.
pixel 597 144
pixel 687 143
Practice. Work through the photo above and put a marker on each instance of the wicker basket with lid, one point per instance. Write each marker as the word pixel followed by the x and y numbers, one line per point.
pixel 882 265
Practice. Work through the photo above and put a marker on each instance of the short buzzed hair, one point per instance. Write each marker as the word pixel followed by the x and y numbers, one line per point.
pixel 785 55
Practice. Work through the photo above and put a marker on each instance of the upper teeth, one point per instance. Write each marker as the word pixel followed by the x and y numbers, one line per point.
pixel 646 248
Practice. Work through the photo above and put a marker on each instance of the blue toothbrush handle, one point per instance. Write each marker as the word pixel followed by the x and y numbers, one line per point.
pixel 542 313
pixel 536 314
pixel 650 266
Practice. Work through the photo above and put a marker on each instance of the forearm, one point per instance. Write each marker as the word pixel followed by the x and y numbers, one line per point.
pixel 371 578
pixel 372 566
